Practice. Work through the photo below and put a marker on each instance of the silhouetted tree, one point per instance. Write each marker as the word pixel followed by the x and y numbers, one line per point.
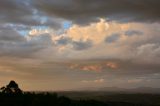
pixel 12 87
pixel 3 89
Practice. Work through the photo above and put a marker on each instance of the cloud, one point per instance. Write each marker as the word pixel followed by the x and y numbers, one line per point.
pixel 115 67
pixel 112 65
pixel 17 12
pixel 84 12
pixel 94 66
pixel 112 38
pixel 135 81
pixel 86 42
pixel 53 13
pixel 95 32
pixel 10 35
pixel 76 45
pixel 149 50
pixel 63 40
pixel 93 45
pixel 133 32
pixel 81 45
pixel 13 44
pixel 94 81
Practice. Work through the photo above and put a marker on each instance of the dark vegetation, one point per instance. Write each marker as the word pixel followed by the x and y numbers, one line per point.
pixel 12 95
pixel 127 99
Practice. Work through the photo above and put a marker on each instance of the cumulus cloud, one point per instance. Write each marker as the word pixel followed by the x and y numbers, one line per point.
pixel 87 43
pixel 95 32
pixel 91 41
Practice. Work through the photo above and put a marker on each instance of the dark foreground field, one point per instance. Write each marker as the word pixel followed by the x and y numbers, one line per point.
pixel 79 99
pixel 117 98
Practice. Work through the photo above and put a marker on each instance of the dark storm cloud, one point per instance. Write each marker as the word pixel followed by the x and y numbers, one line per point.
pixel 83 12
pixel 13 44
pixel 15 11
pixel 20 12
pixel 10 36
pixel 79 11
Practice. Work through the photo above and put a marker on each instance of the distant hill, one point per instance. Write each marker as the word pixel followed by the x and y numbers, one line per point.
pixel 124 90
pixel 132 90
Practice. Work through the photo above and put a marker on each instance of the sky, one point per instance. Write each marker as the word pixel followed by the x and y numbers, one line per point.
pixel 77 44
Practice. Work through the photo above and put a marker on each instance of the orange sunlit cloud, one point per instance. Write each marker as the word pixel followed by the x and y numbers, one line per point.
pixel 99 67
pixel 111 65
pixel 101 80
pixel 95 68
